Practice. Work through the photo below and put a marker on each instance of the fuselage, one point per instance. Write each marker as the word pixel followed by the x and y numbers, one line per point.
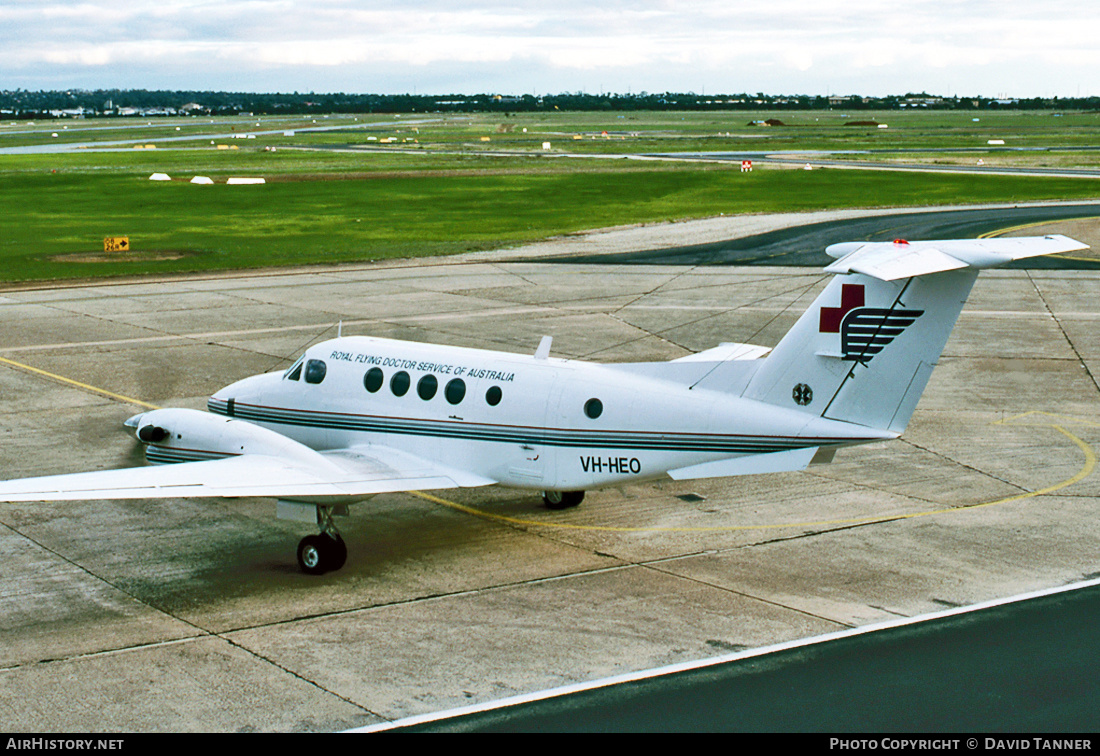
pixel 524 421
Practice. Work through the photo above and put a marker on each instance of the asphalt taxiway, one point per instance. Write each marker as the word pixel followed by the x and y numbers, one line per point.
pixel 804 244
pixel 933 674
pixel 192 616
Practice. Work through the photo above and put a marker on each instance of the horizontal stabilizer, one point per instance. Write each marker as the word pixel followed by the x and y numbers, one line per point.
pixel 751 464
pixel 726 351
pixel 890 261
pixel 727 365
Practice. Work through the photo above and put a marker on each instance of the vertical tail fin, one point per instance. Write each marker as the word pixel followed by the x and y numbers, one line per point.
pixel 864 350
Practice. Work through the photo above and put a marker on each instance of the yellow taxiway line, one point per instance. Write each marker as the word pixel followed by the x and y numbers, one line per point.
pixel 77 384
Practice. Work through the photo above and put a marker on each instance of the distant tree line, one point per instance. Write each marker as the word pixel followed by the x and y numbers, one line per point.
pixel 114 102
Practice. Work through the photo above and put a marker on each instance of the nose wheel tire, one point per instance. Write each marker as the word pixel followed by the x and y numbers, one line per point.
pixel 318 554
pixel 562 499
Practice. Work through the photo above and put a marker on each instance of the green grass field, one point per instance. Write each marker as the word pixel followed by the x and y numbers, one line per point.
pixel 444 193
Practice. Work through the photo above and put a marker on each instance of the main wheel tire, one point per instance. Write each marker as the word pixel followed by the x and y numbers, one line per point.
pixel 337 553
pixel 311 555
pixel 318 554
pixel 552 499
pixel 562 499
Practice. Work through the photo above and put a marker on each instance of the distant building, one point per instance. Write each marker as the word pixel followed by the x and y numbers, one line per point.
pixel 848 100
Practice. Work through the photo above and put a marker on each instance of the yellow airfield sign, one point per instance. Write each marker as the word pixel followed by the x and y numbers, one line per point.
pixel 116 244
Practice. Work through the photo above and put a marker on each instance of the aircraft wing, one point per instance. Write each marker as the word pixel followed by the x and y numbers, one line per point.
pixel 348 473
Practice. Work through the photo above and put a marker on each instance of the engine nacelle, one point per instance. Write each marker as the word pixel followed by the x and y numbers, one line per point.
pixel 186 435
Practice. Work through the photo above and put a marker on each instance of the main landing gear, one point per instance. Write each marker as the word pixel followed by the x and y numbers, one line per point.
pixel 562 499
pixel 327 552
pixel 324 552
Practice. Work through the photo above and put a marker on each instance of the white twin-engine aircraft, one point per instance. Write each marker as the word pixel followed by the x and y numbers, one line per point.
pixel 359 416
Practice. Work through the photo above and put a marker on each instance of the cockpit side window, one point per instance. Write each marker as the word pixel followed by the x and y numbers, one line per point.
pixel 294 372
pixel 315 371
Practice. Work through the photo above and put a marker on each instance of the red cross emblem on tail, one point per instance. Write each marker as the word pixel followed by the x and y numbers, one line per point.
pixel 851 297
pixel 864 331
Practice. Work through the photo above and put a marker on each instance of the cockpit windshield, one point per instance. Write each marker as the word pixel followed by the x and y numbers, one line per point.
pixel 294 372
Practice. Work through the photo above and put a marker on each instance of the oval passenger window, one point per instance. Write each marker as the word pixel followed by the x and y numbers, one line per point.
pixel 593 408
pixel 455 391
pixel 372 381
pixel 426 387
pixel 400 383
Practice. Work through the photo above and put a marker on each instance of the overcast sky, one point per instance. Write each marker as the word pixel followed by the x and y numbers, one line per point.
pixel 1021 48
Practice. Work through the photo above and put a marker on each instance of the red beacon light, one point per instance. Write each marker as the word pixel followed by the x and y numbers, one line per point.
pixel 900 241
